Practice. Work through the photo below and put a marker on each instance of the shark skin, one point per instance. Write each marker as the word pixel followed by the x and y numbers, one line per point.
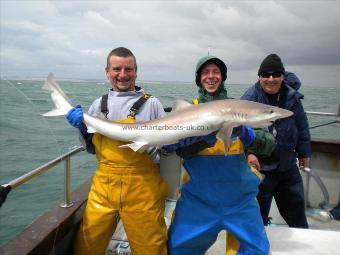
pixel 185 120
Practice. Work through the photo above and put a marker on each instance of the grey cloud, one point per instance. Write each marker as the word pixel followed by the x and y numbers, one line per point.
pixel 168 36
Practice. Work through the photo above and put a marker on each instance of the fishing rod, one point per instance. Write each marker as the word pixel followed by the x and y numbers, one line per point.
pixel 325 124
pixel 325 114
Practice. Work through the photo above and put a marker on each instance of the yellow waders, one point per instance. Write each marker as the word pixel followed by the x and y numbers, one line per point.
pixel 128 185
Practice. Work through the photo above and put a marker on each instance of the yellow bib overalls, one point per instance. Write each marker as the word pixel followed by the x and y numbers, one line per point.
pixel 126 184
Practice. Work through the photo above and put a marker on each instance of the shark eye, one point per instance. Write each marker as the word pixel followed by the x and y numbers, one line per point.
pixel 271 111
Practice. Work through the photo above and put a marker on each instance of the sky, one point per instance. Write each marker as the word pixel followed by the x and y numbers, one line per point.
pixel 72 38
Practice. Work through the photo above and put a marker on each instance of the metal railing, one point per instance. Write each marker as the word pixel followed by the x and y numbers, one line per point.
pixel 325 114
pixel 38 171
pixel 6 188
pixel 337 114
pixel 310 173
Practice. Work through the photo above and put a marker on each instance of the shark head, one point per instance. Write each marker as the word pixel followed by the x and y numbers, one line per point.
pixel 264 115
pixel 231 113
pixel 248 113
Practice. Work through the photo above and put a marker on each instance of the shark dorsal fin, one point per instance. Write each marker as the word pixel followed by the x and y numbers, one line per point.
pixel 180 105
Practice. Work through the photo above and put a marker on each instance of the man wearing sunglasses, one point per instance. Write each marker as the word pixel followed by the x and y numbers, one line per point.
pixel 282 177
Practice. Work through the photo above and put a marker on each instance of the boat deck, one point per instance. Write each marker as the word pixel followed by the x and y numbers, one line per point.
pixel 54 231
pixel 283 240
pixel 291 241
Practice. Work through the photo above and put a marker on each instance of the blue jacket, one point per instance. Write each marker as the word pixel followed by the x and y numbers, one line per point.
pixel 292 133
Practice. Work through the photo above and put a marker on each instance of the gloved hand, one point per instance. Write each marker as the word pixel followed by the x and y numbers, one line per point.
pixel 210 139
pixel 75 116
pixel 246 135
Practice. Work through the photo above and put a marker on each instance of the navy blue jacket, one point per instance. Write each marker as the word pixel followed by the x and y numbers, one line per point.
pixel 292 133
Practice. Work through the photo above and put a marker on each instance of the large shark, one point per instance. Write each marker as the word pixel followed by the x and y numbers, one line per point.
pixel 185 120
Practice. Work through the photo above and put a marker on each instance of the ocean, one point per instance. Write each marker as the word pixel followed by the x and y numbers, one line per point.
pixel 28 140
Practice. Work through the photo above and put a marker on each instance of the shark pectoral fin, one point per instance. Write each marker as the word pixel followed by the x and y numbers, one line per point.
pixel 136 146
pixel 224 134
pixel 180 105
pixel 91 130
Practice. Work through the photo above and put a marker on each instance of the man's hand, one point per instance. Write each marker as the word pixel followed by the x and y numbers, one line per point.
pixel 304 162
pixel 75 116
pixel 253 161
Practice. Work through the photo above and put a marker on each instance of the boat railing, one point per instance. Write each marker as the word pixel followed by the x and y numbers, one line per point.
pixel 66 158
pixel 6 188
pixel 325 114
pixel 310 173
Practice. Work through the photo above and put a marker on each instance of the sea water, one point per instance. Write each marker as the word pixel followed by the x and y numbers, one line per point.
pixel 29 140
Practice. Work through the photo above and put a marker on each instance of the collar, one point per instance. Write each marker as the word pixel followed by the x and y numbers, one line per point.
pixel 138 91
pixel 220 94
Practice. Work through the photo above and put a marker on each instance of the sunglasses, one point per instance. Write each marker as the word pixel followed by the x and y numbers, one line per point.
pixel 274 74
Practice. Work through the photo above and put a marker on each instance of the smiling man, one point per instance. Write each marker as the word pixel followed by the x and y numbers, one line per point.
pixel 219 188
pixel 125 184
pixel 121 72
pixel 283 180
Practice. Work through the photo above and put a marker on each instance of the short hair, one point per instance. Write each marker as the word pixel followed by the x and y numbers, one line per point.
pixel 120 52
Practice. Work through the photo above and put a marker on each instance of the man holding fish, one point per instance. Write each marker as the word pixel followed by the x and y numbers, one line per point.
pixel 125 184
pixel 221 189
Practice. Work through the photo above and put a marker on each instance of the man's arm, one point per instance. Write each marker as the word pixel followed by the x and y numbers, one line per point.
pixel 190 146
pixel 303 147
pixel 264 143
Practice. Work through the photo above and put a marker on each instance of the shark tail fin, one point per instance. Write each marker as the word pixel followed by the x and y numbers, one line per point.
pixel 62 103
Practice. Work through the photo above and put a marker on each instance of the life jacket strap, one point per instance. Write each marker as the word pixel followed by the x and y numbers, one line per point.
pixel 137 105
pixel 103 106
pixel 133 110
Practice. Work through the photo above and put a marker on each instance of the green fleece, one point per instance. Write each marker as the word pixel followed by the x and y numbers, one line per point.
pixel 220 94
pixel 264 143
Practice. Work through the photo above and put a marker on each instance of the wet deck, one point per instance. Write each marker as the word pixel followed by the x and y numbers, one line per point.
pixel 283 240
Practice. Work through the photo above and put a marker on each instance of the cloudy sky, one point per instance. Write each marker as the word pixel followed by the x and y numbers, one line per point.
pixel 72 38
